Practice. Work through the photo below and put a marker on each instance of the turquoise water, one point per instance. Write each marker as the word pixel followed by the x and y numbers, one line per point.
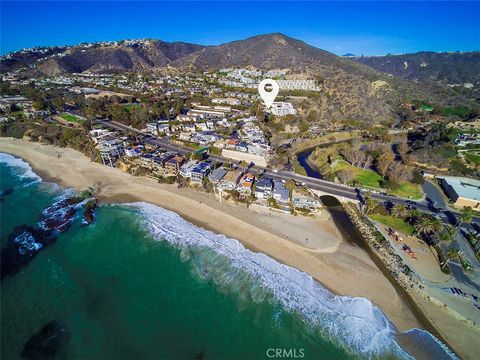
pixel 142 283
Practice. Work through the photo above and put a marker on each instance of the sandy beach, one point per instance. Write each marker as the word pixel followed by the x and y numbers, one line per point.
pixel 344 268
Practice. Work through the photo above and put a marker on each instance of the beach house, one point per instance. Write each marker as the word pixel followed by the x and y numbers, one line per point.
pixel 172 166
pixel 263 188
pixel 230 180
pixel 199 172
pixel 186 169
pixel 280 193
pixel 217 175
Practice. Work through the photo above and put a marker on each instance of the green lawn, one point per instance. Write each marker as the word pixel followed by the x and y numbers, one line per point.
pixel 71 118
pixel 130 107
pixel 473 157
pixel 393 222
pixel 299 169
pixel 367 178
pixel 407 190
pixel 370 179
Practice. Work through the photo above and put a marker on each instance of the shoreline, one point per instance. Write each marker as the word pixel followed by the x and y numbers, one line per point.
pixel 342 268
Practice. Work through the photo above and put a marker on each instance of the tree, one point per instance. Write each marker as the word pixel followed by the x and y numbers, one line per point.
pixel 354 155
pixel 402 149
pixel 58 102
pixel 345 175
pixel 400 211
pixel 272 203
pixel 451 254
pixel 466 216
pixel 445 237
pixel 243 165
pixel 197 156
pixel 384 161
pixel 303 126
pixel 426 225
pixel 399 173
pixel 370 204
pixel 260 114
pixel 39 104
pixel 413 215
pixel 312 116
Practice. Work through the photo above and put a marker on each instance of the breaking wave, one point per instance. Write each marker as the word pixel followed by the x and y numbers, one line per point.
pixel 24 169
pixel 354 323
pixel 27 243
pixel 423 344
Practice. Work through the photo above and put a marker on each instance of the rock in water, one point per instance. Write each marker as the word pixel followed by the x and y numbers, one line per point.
pixel 22 246
pixel 89 212
pixel 5 193
pixel 60 215
pixel 45 343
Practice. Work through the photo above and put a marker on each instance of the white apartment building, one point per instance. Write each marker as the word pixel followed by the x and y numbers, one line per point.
pixel 274 73
pixel 298 85
pixel 282 109
pixel 229 101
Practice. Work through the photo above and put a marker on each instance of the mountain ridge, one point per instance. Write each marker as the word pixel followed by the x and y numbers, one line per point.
pixel 448 67
pixel 351 89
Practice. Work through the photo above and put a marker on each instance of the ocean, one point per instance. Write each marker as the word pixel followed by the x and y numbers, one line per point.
pixel 143 283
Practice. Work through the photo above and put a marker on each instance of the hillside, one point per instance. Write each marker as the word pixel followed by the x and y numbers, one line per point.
pixel 268 51
pixel 108 57
pixel 449 68
pixel 351 89
pixel 27 57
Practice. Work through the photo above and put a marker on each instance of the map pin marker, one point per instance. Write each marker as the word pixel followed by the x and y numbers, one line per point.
pixel 268 97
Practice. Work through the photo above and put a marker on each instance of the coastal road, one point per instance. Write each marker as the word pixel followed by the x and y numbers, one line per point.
pixel 314 183
pixel 435 195
pixel 317 184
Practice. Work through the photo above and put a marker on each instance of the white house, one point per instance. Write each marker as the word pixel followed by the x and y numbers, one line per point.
pixel 283 108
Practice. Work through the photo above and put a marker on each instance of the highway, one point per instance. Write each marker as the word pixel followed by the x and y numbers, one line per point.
pixel 314 183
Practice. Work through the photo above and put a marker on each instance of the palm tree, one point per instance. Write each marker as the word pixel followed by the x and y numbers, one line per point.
pixel 445 236
pixel 400 211
pixel 413 215
pixel 450 229
pixel 466 216
pixel 437 224
pixel 426 225
pixel 451 254
pixel 243 165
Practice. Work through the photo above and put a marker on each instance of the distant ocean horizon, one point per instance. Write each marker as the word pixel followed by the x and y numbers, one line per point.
pixel 141 282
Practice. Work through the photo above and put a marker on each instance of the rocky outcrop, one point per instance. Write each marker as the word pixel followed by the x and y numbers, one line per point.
pixel 46 343
pixel 25 242
pixel 22 246
pixel 89 212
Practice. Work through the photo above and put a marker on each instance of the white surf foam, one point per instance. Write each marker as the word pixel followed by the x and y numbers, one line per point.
pixel 25 170
pixel 27 243
pixel 426 344
pixel 355 323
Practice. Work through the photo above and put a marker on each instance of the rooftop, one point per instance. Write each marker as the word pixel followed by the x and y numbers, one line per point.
pixel 217 174
pixel 464 187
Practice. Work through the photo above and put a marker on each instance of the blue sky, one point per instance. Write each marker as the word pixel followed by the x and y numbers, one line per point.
pixel 362 28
